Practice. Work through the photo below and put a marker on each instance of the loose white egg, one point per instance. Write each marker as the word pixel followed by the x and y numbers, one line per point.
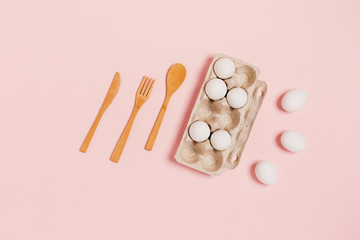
pixel 237 97
pixel 266 172
pixel 294 100
pixel 199 131
pixel 293 141
pixel 216 89
pixel 220 140
pixel 224 68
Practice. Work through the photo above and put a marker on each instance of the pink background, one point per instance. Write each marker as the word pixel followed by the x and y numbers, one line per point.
pixel 57 61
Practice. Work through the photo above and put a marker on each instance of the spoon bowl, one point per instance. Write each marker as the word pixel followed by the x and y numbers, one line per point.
pixel 175 77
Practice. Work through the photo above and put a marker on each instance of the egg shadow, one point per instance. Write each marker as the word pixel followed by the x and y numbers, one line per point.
pixel 278 142
pixel 278 102
pixel 186 117
pixel 253 174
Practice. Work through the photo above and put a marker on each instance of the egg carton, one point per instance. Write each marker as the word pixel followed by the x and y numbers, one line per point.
pixel 219 115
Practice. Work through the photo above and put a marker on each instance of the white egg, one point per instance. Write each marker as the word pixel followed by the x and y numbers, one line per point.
pixel 237 97
pixel 294 100
pixel 224 68
pixel 293 141
pixel 215 89
pixel 199 131
pixel 266 172
pixel 220 140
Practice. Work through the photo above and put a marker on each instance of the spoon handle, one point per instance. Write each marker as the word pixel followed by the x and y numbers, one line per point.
pixel 155 130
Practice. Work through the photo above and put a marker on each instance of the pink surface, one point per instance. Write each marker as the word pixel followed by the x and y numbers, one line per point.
pixel 57 60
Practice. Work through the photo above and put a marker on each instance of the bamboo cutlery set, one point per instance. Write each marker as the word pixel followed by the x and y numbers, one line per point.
pixel 175 77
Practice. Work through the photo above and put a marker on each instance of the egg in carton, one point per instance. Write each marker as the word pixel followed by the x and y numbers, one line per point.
pixel 218 129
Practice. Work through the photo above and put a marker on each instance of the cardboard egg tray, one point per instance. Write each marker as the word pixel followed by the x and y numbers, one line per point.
pixel 219 115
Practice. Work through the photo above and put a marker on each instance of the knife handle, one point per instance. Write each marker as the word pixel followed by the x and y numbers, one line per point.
pixel 91 132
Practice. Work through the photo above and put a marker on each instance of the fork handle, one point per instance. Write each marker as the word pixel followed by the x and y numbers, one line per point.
pixel 155 130
pixel 115 156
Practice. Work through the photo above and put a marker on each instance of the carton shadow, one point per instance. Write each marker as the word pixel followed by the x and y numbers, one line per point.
pixel 186 117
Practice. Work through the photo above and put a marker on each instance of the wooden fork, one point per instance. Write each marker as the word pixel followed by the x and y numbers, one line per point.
pixel 142 95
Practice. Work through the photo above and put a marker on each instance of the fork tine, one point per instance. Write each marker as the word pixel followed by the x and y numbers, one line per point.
pixel 150 88
pixel 146 85
pixel 141 84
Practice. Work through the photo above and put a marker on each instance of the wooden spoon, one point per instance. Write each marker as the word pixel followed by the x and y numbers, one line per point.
pixel 175 77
